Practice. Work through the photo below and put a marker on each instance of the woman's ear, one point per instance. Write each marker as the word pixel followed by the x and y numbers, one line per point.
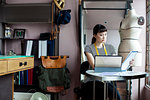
pixel 94 35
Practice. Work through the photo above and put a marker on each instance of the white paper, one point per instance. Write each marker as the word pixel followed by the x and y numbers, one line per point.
pixel 109 73
pixel 126 63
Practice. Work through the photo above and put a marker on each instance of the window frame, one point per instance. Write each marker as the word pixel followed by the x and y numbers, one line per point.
pixel 147 66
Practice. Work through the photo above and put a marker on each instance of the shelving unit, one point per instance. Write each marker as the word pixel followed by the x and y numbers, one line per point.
pixel 26 13
pixel 35 13
pixel 22 14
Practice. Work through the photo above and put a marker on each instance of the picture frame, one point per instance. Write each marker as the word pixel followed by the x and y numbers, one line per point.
pixel 19 33
pixel 8 32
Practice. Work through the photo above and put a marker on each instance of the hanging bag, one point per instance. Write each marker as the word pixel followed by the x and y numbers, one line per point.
pixel 63 17
pixel 53 61
pixel 54 79
pixel 54 75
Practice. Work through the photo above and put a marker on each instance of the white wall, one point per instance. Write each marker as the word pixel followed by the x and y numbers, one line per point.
pixel 140 8
pixel 69 42
pixel 69 45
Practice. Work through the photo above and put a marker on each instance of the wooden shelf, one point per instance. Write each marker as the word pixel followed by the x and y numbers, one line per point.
pixel 26 13
pixel 17 39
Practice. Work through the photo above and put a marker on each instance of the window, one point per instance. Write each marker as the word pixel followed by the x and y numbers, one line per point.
pixel 148 40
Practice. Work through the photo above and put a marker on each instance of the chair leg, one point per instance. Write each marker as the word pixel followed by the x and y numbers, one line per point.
pixel 76 97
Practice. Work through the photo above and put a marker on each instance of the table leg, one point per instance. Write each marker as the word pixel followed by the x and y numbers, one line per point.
pixel 6 87
pixel 139 89
pixel 113 91
pixel 94 90
pixel 105 90
pixel 130 89
pixel 116 92
pixel 127 90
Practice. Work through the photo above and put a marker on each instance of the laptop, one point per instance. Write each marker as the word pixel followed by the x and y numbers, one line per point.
pixel 108 61
pixel 113 63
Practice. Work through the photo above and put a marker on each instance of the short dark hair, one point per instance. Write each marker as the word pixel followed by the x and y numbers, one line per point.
pixel 98 28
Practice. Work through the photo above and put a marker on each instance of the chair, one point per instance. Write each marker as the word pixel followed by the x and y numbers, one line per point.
pixel 85 91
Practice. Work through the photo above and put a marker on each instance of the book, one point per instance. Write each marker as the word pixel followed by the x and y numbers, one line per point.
pixel 25 77
pixel 29 47
pixel 50 47
pixel 30 76
pixel 42 48
pixel 21 77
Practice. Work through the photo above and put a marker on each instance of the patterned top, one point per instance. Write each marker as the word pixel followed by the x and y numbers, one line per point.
pixel 91 49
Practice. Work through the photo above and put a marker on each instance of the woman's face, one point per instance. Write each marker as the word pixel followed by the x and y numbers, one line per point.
pixel 101 37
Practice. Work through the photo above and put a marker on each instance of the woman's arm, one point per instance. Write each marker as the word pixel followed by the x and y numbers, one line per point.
pixel 90 59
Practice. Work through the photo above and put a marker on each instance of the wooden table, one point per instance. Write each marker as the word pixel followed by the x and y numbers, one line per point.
pixel 8 66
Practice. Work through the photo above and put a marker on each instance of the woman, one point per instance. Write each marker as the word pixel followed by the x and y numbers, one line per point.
pixel 98 47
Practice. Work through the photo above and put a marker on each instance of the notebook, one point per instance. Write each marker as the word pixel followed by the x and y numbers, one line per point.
pixel 113 63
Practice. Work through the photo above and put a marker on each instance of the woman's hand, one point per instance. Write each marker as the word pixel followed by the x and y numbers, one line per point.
pixel 131 62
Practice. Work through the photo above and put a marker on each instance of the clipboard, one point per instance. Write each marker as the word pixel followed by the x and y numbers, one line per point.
pixel 125 65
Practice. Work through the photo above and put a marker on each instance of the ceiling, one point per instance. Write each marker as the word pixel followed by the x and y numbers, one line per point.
pixel 110 18
pixel 107 12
